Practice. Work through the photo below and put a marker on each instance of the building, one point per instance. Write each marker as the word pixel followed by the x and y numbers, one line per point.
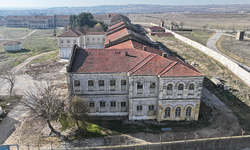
pixel 105 18
pixel 38 21
pixel 156 29
pixel 133 77
pixel 75 36
pixel 12 46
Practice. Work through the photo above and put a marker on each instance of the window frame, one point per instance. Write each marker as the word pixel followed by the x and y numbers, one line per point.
pixel 112 104
pixel 102 104
pixel 151 107
pixel 188 111
pixel 140 108
pixel 77 83
pixel 178 112
pixel 122 104
pixel 169 112
pixel 91 104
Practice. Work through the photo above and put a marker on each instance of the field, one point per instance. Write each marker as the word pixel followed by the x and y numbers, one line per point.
pixel 238 50
pixel 10 33
pixel 30 46
pixel 214 21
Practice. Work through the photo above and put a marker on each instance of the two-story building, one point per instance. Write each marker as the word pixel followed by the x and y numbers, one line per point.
pixel 85 40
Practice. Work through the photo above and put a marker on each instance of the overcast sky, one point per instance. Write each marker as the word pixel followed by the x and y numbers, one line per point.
pixel 78 3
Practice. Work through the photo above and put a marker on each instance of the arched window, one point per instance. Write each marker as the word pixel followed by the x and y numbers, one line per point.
pixel 188 112
pixel 180 87
pixel 123 85
pixel 101 85
pixel 112 85
pixel 139 88
pixel 191 89
pixel 167 112
pixel 169 89
pixel 178 112
pixel 152 88
pixel 90 85
pixel 77 83
pixel 151 107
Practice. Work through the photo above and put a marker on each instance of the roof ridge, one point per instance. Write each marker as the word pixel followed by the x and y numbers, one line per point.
pixel 73 30
pixel 167 68
pixel 142 63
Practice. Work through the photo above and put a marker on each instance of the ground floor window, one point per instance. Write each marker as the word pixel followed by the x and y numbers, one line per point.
pixel 167 112
pixel 178 112
pixel 188 111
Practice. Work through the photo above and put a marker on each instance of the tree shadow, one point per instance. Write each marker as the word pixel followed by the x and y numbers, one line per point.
pixel 7 127
pixel 20 51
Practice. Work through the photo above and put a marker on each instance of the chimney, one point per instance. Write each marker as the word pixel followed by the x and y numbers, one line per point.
pixel 144 48
pixel 164 55
pixel 126 53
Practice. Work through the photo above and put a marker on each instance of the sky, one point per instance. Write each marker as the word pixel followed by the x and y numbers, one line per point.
pixel 79 3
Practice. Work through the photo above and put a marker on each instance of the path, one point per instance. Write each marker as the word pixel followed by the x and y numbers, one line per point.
pixel 211 43
pixel 28 34
pixel 18 113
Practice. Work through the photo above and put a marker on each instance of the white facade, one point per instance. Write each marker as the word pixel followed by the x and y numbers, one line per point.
pixel 16 47
pixel 139 102
pixel 65 44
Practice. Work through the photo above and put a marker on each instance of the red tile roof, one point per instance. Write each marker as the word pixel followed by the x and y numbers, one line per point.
pixel 43 17
pixel 116 35
pixel 115 25
pixel 136 45
pixel 19 17
pixel 72 33
pixel 137 62
pixel 62 16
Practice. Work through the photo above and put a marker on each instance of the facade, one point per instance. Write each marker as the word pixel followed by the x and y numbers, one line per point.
pixel 12 46
pixel 38 21
pixel 105 18
pixel 75 36
pixel 133 77
pixel 156 29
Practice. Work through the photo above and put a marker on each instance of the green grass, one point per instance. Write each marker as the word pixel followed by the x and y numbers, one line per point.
pixel 44 58
pixel 46 33
pixel 11 33
pixel 197 35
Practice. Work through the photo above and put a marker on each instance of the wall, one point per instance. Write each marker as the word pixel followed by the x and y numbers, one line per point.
pixel 223 143
pixel 13 47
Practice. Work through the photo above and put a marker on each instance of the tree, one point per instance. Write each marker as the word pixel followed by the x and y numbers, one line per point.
pixel 182 24
pixel 8 77
pixel 45 101
pixel 76 114
pixel 204 27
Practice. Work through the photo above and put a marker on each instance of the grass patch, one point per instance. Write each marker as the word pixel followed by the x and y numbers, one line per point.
pixel 199 36
pixel 46 33
pixel 44 58
pixel 10 33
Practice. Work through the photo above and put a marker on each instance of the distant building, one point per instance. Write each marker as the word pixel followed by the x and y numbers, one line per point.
pixel 12 46
pixel 38 22
pixel 156 29
pixel 105 18
pixel 240 35
pixel 66 41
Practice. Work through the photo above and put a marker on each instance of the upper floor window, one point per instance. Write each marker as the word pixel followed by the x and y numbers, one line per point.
pixel 169 89
pixel 191 86
pixel 61 41
pixel 102 104
pixel 90 85
pixel 77 83
pixel 101 85
pixel 167 112
pixel 123 85
pixel 178 112
pixel 74 41
pixel 151 107
pixel 180 87
pixel 112 85
pixel 93 39
pixel 139 108
pixel 68 41
pixel 139 88
pixel 91 104
pixel 152 87
pixel 188 111
pixel 112 104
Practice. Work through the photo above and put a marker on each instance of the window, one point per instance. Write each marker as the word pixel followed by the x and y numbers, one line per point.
pixel 112 85
pixel 90 85
pixel 191 86
pixel 152 87
pixel 167 112
pixel 101 85
pixel 68 41
pixel 123 85
pixel 61 41
pixel 93 39
pixel 123 104
pixel 74 41
pixel 87 39
pixel 151 107
pixel 91 104
pixel 112 82
pixel 102 104
pixel 139 108
pixel 77 83
pixel 139 88
pixel 113 104
pixel 188 112
pixel 169 89
pixel 178 112
pixel 180 87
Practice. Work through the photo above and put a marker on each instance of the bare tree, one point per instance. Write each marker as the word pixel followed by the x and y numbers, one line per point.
pixel 8 77
pixel 45 101
pixel 182 24
pixel 204 27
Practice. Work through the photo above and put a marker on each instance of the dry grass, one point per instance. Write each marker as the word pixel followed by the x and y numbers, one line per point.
pixel 238 50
